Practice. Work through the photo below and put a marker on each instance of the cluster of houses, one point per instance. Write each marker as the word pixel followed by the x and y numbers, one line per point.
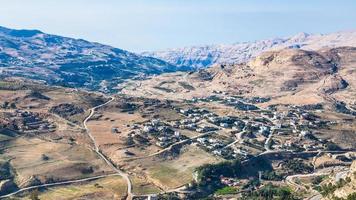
pixel 204 121
pixel 301 123
pixel 239 105
pixel 261 128
pixel 194 116
pixel 192 120
pixel 231 182
pixel 227 122
pixel 163 133
pixel 296 120
pixel 212 98
pixel 219 148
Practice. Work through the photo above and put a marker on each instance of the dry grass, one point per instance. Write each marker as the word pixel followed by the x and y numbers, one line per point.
pixel 142 186
pixel 105 188
pixel 325 160
pixel 101 129
pixel 65 162
pixel 175 172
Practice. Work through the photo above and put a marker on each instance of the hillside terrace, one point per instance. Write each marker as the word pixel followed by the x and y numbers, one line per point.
pixel 28 122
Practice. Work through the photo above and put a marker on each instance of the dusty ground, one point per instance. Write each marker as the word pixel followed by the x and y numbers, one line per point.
pixel 65 162
pixel 289 76
pixel 141 186
pixel 105 188
pixel 174 172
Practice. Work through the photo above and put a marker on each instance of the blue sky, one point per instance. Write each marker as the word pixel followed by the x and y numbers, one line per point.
pixel 140 25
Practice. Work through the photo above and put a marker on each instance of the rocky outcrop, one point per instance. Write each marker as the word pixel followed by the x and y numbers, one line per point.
pixel 316 76
pixel 350 187
pixel 66 110
pixel 334 84
pixel 37 95
pixel 209 55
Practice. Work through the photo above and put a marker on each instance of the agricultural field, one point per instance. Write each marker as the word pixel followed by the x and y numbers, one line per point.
pixel 141 186
pixel 112 187
pixel 39 161
pixel 172 172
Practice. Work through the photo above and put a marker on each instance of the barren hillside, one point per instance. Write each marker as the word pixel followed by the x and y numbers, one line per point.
pixel 288 75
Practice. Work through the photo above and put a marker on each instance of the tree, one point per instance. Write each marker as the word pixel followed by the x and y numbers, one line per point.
pixel 45 157
pixel 209 174
pixel 332 146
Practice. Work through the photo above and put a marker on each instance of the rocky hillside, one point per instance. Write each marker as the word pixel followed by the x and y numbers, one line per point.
pixel 289 76
pixel 71 62
pixel 343 189
pixel 205 56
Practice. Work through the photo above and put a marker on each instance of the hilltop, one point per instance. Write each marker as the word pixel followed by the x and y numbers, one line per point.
pixel 72 62
pixel 280 124
pixel 307 76
pixel 208 55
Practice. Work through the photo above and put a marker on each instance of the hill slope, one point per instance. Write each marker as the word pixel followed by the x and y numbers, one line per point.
pixel 72 62
pixel 288 76
pixel 205 56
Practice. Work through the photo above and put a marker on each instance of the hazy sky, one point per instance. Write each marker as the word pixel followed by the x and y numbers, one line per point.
pixel 139 25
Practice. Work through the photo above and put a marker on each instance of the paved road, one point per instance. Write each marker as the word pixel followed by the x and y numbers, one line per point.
pixel 267 142
pixel 97 150
pixel 57 183
pixel 168 148
pixel 238 139
pixel 126 177
pixel 325 171
pixel 92 111
pixel 302 152
pixel 290 179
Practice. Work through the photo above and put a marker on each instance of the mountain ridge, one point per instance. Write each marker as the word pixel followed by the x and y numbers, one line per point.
pixel 293 76
pixel 72 62
pixel 208 55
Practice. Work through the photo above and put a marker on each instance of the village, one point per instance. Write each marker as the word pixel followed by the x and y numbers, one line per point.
pixel 254 131
pixel 221 128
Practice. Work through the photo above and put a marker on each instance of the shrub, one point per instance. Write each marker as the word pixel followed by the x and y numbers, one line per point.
pixel 226 190
pixel 45 157
pixel 270 192
pixel 209 174
pixel 298 166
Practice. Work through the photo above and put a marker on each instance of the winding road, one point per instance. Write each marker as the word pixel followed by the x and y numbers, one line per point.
pixel 268 142
pixel 96 149
pixel 121 173
pixel 169 147
pixel 238 139
pixel 326 171
pixel 57 183
pixel 290 179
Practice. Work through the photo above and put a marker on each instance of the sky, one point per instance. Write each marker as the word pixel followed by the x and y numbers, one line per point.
pixel 144 25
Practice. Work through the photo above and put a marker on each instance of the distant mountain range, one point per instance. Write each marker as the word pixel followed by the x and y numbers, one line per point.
pixel 72 62
pixel 205 56
pixel 288 76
